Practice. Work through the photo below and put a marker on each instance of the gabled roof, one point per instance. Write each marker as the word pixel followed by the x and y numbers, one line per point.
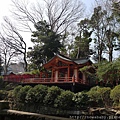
pixel 67 60
pixel 82 61
pixel 63 57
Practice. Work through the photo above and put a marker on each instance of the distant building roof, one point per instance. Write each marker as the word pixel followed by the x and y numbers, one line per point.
pixel 15 68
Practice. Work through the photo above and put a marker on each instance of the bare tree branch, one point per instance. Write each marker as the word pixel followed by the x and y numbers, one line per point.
pixel 7 53
pixel 59 14
pixel 14 39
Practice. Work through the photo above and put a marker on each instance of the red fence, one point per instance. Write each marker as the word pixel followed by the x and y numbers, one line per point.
pixel 18 78
pixel 48 80
pixel 28 78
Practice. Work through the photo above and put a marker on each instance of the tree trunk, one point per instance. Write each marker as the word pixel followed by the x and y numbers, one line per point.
pixel 25 61
pixel 99 55
pixel 110 54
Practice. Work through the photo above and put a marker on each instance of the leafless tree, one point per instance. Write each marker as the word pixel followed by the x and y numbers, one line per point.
pixel 7 53
pixel 13 39
pixel 60 14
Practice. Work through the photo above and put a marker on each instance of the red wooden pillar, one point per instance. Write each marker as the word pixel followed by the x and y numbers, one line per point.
pixel 68 76
pixel 52 76
pixel 46 75
pixel 73 79
pixel 76 73
pixel 40 74
pixel 56 75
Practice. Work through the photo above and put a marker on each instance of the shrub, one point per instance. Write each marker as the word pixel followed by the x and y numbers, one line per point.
pixel 22 93
pixel 41 92
pixel 36 72
pixel 1 82
pixel 81 100
pixel 95 98
pixel 10 96
pixel 37 94
pixel 115 95
pixel 105 95
pixel 100 95
pixel 53 93
pixel 30 96
pixel 64 100
pixel 16 91
pixel 94 94
pixel 10 86
pixel 3 94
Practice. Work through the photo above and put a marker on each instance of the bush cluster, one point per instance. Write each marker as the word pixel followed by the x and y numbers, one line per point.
pixel 47 96
pixel 63 99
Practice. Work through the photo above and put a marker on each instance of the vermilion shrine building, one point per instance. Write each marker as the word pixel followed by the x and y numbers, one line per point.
pixel 62 72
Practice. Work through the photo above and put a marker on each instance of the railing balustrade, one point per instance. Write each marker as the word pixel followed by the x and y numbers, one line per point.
pixel 47 80
pixel 32 79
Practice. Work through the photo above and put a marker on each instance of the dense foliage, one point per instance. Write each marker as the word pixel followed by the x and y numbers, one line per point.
pixel 81 100
pixel 52 94
pixel 109 72
pixel 64 100
pixel 37 94
pixel 82 40
pixel 47 42
pixel 33 98
pixel 115 95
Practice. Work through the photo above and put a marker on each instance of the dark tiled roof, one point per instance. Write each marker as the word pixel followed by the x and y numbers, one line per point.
pixel 81 61
pixel 64 57
pixel 77 61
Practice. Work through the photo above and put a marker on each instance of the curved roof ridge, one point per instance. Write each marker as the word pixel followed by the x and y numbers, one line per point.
pixel 64 57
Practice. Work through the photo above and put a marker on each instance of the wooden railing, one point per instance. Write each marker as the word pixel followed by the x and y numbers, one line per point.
pixel 47 80
pixel 18 78
pixel 37 80
pixel 65 79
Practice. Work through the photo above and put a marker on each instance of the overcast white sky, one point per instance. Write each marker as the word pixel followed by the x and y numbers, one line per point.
pixel 6 4
pixel 5 7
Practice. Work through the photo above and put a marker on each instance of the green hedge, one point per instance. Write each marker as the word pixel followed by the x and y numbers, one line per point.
pixel 41 95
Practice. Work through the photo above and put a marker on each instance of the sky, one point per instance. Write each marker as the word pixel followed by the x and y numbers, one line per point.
pixel 5 7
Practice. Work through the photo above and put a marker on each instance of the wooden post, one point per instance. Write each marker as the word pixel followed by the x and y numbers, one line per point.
pixel 68 76
pixel 52 76
pixel 40 74
pixel 73 79
pixel 56 76
pixel 76 73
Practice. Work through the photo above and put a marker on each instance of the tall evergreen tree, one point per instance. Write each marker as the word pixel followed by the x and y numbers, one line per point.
pixel 97 24
pixel 46 43
pixel 105 36
pixel 116 14
pixel 82 40
pixel 116 9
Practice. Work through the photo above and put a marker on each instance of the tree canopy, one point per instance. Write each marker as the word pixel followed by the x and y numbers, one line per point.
pixel 109 71
pixel 46 43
